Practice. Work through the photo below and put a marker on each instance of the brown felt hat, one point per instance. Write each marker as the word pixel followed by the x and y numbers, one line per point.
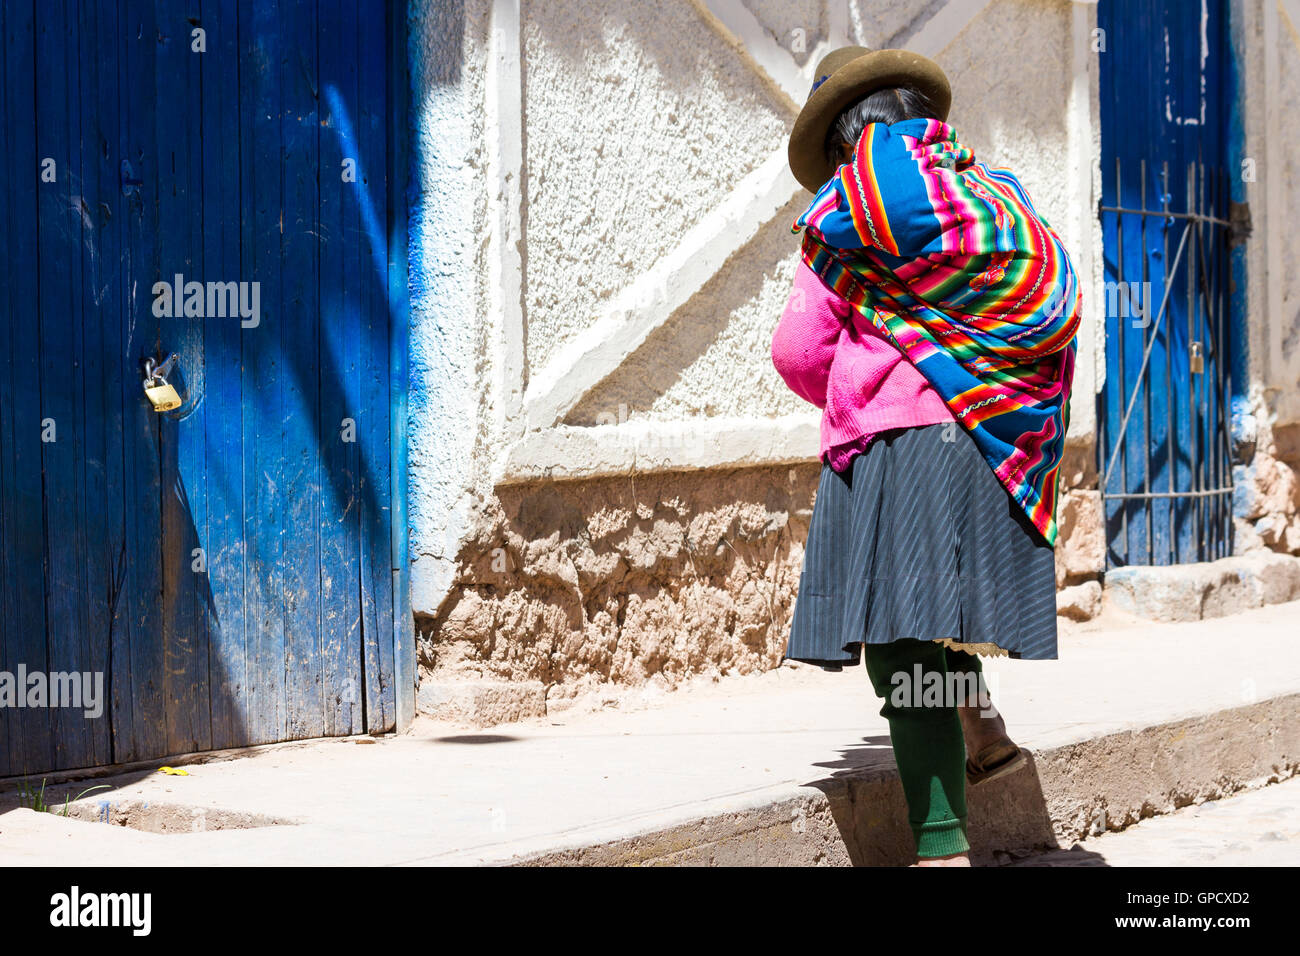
pixel 844 76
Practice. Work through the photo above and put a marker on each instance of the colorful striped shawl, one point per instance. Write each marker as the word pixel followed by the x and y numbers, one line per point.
pixel 949 258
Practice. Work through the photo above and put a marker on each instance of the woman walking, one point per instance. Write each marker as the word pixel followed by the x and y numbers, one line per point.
pixel 933 321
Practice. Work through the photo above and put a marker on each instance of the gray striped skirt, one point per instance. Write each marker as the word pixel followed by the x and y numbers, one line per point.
pixel 919 539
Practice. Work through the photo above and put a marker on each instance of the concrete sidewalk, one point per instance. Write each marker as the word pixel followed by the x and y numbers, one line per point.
pixel 789 767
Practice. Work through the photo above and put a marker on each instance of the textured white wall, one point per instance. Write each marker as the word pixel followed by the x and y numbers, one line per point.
pixel 449 424
pixel 636 118
pixel 1283 345
pixel 1267 39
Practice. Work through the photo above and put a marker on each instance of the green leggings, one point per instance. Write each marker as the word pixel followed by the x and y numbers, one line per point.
pixel 926 734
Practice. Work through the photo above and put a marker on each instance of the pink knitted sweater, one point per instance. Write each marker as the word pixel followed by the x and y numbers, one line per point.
pixel 830 355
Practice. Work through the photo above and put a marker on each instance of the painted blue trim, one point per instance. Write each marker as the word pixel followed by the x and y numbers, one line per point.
pixel 1238 325
pixel 400 190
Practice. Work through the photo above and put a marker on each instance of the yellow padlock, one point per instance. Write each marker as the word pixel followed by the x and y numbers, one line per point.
pixel 163 397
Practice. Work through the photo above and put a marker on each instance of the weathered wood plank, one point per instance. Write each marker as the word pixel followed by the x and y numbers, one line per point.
pixel 100 294
pixel 186 597
pixel 58 122
pixel 29 747
pixel 302 384
pixel 140 700
pixel 404 673
pixel 340 281
pixel 263 52
pixel 373 425
pixel 222 115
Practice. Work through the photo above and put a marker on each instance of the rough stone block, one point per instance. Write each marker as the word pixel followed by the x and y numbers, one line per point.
pixel 1081 602
pixel 1191 592
pixel 1081 548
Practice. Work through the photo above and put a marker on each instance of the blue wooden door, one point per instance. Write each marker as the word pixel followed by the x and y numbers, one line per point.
pixel 1168 186
pixel 223 182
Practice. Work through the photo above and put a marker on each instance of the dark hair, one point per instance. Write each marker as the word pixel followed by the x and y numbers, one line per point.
pixel 890 105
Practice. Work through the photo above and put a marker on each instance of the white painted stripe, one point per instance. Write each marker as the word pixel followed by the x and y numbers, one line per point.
pixel 1275 198
pixel 1081 116
pixel 837 29
pixel 738 27
pixel 503 94
pixel 570 452
pixel 1292 9
pixel 647 303
pixel 942 28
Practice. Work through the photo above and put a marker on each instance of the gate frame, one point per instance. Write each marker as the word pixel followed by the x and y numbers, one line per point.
pixel 1234 400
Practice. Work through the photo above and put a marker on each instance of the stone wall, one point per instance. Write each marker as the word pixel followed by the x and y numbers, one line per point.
pixel 648 579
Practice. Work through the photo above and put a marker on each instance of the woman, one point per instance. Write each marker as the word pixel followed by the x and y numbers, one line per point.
pixel 933 322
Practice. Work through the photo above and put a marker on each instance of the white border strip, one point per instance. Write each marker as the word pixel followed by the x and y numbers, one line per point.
pixel 1276 200
pixel 569 452
pixel 942 28
pixel 656 294
pixel 504 132
pixel 740 29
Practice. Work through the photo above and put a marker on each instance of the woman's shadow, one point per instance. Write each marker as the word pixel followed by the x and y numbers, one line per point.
pixel 1009 821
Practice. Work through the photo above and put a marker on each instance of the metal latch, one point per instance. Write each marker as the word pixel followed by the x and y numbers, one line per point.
pixel 1239 224
pixel 163 394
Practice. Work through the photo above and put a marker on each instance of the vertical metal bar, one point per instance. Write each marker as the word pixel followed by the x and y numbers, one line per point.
pixel 1223 370
pixel 1103 412
pixel 1217 291
pixel 1207 414
pixel 1192 423
pixel 1170 399
pixel 1147 332
pixel 1122 437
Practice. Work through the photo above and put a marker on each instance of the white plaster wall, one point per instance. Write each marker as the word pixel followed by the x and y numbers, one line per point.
pixel 882 24
pixel 1268 57
pixel 1284 345
pixel 450 425
pixel 797 25
pixel 637 118
pixel 712 357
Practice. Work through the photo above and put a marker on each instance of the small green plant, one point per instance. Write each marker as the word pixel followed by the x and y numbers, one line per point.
pixel 34 799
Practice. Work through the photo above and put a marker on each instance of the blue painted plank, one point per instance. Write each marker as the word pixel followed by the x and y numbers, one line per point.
pixel 340 311
pixel 59 275
pixel 28 745
pixel 222 115
pixel 262 171
pixel 299 345
pixel 100 464
pixel 373 426
pixel 404 669
pixel 139 717
pixel 8 550
pixel 186 597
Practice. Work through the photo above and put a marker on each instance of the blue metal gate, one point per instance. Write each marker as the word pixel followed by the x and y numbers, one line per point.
pixel 1167 214
pixel 222 181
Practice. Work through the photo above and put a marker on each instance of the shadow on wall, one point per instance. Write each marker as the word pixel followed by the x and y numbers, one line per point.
pixel 870 813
